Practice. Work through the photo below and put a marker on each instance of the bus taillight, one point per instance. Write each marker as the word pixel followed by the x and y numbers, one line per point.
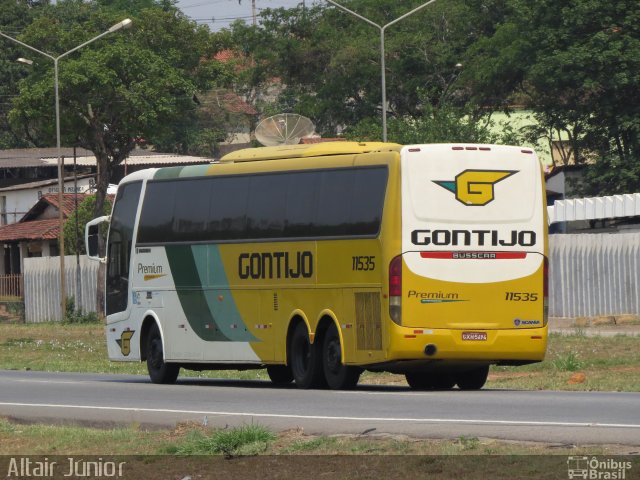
pixel 395 289
pixel 545 291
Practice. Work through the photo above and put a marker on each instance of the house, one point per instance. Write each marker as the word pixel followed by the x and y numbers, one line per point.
pixel 28 174
pixel 562 181
pixel 36 234
pixel 17 200
pixel 139 159
pixel 29 223
pixel 25 165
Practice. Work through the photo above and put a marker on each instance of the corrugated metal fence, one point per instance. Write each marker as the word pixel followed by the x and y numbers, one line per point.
pixel 594 275
pixel 42 286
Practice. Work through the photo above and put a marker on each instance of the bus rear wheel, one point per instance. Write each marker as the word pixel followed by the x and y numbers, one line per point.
pixel 473 379
pixel 337 375
pixel 159 371
pixel 280 374
pixel 427 381
pixel 306 360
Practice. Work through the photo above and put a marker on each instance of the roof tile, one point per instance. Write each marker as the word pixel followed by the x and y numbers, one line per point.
pixel 68 201
pixel 35 230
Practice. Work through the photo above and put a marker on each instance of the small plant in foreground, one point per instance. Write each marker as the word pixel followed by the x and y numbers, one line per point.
pixel 568 363
pixel 469 443
pixel 245 440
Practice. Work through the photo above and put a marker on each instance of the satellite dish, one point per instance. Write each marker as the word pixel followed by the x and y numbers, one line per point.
pixel 283 129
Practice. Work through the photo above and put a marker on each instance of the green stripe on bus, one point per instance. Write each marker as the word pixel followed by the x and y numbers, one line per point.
pixel 195 269
pixel 191 295
pixel 220 301
pixel 168 172
pixel 195 171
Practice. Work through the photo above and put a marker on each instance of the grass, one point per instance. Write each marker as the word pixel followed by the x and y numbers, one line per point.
pixel 191 439
pixel 574 362
pixel 245 440
pixel 578 362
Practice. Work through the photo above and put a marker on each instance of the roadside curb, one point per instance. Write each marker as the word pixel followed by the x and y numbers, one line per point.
pixel 598 326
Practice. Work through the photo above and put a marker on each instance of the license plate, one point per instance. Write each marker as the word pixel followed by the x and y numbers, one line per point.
pixel 477 336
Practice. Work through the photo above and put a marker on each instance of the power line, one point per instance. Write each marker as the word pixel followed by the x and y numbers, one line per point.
pixel 202 4
pixel 216 19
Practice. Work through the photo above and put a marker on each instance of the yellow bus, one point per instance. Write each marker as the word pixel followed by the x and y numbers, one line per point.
pixel 320 261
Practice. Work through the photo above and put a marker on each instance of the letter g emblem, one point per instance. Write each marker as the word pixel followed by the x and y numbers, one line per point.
pixel 475 187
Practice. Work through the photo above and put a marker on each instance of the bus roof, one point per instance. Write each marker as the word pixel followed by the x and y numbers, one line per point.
pixel 310 150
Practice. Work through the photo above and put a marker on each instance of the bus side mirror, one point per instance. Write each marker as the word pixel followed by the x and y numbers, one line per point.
pixel 91 235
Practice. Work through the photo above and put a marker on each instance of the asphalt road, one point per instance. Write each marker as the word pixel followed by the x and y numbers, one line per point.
pixel 556 417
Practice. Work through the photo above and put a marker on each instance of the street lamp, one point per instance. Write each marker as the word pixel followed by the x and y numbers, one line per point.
pixel 382 63
pixel 123 24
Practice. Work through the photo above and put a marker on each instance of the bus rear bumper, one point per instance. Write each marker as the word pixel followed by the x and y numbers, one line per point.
pixel 495 346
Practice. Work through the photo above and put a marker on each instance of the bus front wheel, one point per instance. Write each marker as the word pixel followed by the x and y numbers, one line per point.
pixel 306 359
pixel 159 371
pixel 337 375
pixel 473 379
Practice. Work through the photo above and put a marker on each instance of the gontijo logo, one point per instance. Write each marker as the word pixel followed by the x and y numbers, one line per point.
pixel 475 187
pixel 124 342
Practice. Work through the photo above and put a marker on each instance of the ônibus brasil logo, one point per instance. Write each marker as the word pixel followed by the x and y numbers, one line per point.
pixel 475 187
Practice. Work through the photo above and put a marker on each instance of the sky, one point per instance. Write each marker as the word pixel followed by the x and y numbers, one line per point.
pixel 220 14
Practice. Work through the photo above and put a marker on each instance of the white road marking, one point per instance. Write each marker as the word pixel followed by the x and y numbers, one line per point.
pixel 328 417
pixel 25 380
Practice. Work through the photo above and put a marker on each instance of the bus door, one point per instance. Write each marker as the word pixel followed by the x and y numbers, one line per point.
pixel 473 237
pixel 119 245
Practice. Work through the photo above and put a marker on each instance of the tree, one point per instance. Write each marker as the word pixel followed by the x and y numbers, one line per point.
pixel 577 66
pixel 329 62
pixel 131 85
pixel 435 125
pixel 14 17
pixel 74 225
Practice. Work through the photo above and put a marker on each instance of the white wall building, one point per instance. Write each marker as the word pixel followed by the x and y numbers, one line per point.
pixel 17 200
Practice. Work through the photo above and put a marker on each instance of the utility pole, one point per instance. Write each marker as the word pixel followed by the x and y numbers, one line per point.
pixel 382 29
pixel 253 12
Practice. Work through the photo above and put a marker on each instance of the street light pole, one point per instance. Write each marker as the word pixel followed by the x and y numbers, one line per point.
pixel 382 29
pixel 123 24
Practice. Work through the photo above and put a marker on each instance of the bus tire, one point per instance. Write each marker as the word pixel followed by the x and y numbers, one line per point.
pixel 306 359
pixel 159 371
pixel 337 375
pixel 280 374
pixel 473 379
pixel 445 382
pixel 419 380
pixel 430 381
